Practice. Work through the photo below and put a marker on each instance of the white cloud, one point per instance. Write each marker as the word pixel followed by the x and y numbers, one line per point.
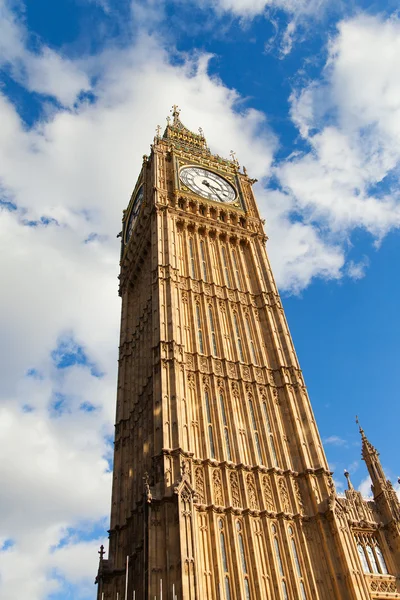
pixel 365 487
pixel 251 8
pixel 45 72
pixel 349 178
pixel 335 440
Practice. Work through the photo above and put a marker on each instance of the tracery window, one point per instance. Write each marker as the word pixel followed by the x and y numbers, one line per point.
pixel 279 561
pixel 191 256
pixel 209 425
pixel 226 431
pixel 297 563
pixel 224 560
pixel 243 560
pixel 203 261
pixel 236 269
pixel 270 435
pixel 199 329
pixel 370 554
pixel 250 339
pixel 255 431
pixel 226 268
pixel 238 337
pixel 212 330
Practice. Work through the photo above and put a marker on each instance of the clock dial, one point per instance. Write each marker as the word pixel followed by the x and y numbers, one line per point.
pixel 207 184
pixel 133 214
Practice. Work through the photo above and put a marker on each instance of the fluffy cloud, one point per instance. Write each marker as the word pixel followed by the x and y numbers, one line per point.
pixel 46 72
pixel 251 8
pixel 349 177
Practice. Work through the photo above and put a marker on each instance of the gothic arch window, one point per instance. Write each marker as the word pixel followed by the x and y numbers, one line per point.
pixel 214 263
pixel 270 435
pixel 209 424
pixel 224 560
pixel 243 560
pixel 250 340
pixel 236 269
pixel 212 331
pixel 370 553
pixel 279 561
pixel 203 260
pixel 297 563
pixel 238 337
pixel 199 329
pixel 192 264
pixel 225 424
pixel 255 431
pixel 226 267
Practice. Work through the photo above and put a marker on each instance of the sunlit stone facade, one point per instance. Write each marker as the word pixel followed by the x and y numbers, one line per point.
pixel 221 488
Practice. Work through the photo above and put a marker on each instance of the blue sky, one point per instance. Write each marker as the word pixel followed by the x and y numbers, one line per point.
pixel 308 96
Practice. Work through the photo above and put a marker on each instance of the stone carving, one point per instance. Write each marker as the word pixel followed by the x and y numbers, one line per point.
pixel 234 481
pixel 285 502
pixel 259 376
pixel 383 586
pixel 268 497
pixel 218 367
pixel 147 491
pixel 252 493
pixel 298 496
pixel 199 485
pixel 315 489
pixel 231 370
pixel 191 380
pixel 217 487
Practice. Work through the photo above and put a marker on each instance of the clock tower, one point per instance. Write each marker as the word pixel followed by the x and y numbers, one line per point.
pixel 221 488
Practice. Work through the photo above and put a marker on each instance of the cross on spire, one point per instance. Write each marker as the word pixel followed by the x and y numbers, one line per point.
pixel 175 112
pixel 101 552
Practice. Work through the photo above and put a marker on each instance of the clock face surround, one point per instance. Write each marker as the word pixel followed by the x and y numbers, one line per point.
pixel 137 203
pixel 207 184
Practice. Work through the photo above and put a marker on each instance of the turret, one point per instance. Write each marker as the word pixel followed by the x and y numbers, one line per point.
pixel 382 489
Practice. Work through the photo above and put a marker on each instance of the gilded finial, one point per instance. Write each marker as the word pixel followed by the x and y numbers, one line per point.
pixel 244 171
pixel 158 131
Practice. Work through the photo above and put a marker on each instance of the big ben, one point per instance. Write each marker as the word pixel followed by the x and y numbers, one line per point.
pixel 221 488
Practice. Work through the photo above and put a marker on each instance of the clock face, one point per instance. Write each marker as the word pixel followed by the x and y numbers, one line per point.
pixel 133 214
pixel 207 184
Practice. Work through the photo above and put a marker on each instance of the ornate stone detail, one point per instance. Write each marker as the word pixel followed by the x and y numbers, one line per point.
pixel 268 497
pixel 217 488
pixel 251 492
pixel 285 502
pixel 383 586
pixel 218 367
pixel 259 376
pixel 199 485
pixel 298 496
pixel 234 481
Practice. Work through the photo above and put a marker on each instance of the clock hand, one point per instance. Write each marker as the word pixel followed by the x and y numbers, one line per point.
pixel 215 190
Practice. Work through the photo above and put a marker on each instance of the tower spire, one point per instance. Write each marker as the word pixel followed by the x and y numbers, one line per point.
pixel 370 455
